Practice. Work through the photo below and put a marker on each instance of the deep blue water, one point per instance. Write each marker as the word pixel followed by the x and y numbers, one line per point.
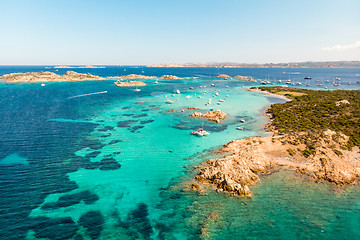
pixel 63 161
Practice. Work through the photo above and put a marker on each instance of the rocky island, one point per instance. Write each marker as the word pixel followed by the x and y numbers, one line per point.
pixel 136 76
pixel 223 76
pixel 171 77
pixel 212 116
pixel 130 84
pixel 48 77
pixel 316 135
pixel 244 78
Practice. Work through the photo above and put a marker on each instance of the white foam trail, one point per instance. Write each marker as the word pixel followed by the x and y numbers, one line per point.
pixel 87 94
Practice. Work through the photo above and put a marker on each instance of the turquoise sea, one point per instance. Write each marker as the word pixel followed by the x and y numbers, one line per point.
pixel 114 165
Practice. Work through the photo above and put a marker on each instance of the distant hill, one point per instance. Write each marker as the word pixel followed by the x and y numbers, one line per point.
pixel 334 64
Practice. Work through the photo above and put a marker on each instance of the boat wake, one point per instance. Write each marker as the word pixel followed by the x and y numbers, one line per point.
pixel 83 95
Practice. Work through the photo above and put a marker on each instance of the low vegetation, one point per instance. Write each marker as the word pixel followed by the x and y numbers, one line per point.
pixel 311 112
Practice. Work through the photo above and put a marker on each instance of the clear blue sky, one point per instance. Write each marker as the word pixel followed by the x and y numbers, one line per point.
pixel 177 31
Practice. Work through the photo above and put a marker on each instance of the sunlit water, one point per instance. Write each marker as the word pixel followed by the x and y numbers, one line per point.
pixel 112 165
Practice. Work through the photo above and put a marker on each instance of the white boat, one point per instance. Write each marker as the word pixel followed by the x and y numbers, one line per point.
pixel 156 82
pixel 242 120
pixel 217 94
pixel 191 88
pixel 218 103
pixel 169 101
pixel 288 81
pixel 42 84
pixel 199 96
pixel 200 132
pixel 213 85
pixel 177 91
pixel 298 83
pixel 221 100
pixel 188 97
pixel 137 89
pixel 239 128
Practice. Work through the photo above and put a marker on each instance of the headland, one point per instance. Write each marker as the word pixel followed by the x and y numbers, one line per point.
pixel 315 134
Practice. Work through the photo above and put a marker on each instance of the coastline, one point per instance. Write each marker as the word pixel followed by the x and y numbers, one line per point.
pixel 253 157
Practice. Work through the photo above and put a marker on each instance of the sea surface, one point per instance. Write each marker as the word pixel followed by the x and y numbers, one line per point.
pixel 114 165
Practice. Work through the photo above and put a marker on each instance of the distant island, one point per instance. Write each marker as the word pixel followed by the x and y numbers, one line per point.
pixel 330 64
pixel 316 134
pixel 28 77
pixel 87 66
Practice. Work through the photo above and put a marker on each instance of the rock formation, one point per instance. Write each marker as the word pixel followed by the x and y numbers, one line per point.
pixel 223 76
pixel 244 78
pixel 136 76
pixel 213 116
pixel 130 84
pixel 172 77
pixel 252 157
pixel 48 77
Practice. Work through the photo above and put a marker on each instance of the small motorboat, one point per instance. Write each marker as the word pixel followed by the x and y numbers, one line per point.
pixel 177 91
pixel 169 101
pixel 156 82
pixel 42 84
pixel 137 90
pixel 200 132
pixel 242 120
pixel 221 100
pixel 239 128
pixel 188 97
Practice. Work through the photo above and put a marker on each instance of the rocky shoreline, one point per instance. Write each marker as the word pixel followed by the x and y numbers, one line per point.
pixel 251 158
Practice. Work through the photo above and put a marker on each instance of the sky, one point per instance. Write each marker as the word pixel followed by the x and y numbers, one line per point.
pixel 139 32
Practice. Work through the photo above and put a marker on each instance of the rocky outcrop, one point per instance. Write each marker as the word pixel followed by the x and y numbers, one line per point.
pixel 244 78
pixel 255 156
pixel 234 173
pixel 171 77
pixel 130 84
pixel 223 76
pixel 339 103
pixel 213 116
pixel 136 76
pixel 48 77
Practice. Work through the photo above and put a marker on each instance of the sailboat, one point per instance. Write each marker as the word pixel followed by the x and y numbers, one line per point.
pixel 137 89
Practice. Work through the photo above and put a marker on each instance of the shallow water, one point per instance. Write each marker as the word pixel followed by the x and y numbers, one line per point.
pixel 110 166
